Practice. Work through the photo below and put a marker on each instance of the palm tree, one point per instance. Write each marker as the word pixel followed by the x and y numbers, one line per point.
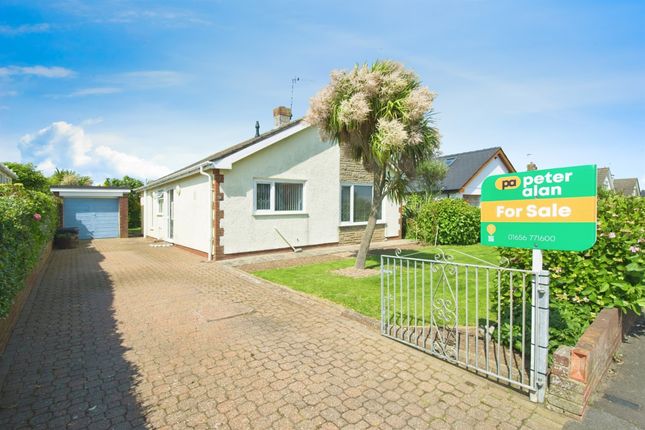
pixel 383 114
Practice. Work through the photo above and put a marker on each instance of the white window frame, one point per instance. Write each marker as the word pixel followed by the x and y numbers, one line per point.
pixel 351 221
pixel 162 195
pixel 272 183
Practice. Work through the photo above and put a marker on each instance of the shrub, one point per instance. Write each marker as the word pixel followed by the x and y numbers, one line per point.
pixel 27 222
pixel 610 274
pixel 457 221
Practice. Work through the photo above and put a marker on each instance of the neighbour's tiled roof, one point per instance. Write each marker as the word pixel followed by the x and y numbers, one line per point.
pixel 602 173
pixel 463 166
pixel 626 186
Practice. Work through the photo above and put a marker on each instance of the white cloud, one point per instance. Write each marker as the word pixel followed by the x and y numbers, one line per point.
pixel 42 71
pixel 24 29
pixel 66 146
pixel 94 91
pixel 144 79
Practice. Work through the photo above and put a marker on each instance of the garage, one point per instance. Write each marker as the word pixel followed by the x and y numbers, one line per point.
pixel 98 212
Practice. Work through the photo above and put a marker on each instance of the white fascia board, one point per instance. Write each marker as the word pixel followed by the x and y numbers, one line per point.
pixel 80 192
pixel 226 163
pixel 91 194
pixel 190 171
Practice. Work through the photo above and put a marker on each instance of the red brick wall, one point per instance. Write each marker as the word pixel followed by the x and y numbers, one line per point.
pixel 577 371
pixel 123 216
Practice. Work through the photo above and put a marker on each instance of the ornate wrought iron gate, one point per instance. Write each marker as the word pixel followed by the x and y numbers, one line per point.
pixel 489 319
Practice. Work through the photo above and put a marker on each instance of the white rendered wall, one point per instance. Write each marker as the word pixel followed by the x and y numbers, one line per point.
pixel 494 167
pixel 391 215
pixel 191 221
pixel 302 156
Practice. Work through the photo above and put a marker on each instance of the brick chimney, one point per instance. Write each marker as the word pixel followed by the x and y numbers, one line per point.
pixel 531 166
pixel 281 116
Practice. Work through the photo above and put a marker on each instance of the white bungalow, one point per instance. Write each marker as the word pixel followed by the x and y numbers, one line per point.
pixel 283 188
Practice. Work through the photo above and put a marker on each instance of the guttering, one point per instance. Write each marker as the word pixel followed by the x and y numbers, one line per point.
pixel 173 177
pixel 210 207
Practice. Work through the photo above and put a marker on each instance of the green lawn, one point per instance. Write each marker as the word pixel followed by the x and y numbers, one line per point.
pixel 363 294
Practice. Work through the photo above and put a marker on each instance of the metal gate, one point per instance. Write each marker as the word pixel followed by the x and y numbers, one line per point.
pixel 488 319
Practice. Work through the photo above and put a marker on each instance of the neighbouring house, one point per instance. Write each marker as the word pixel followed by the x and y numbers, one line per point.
pixel 98 212
pixel 605 180
pixel 282 188
pixel 6 175
pixel 627 186
pixel 468 170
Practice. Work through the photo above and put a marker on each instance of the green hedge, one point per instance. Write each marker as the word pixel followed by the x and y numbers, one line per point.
pixel 457 221
pixel 583 283
pixel 27 222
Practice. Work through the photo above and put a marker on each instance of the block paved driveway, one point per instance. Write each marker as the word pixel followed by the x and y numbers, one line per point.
pixel 123 335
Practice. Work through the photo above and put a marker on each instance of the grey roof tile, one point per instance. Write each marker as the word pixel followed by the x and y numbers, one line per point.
pixel 464 166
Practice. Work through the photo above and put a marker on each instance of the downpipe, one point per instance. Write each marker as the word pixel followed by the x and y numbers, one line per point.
pixel 210 209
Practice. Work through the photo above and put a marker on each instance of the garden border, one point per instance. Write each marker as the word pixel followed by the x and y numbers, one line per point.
pixel 8 323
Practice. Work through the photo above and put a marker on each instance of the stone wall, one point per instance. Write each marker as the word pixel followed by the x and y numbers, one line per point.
pixel 352 171
pixel 577 371
pixel 351 235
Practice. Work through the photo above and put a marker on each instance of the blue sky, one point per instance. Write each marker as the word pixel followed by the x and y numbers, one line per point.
pixel 122 87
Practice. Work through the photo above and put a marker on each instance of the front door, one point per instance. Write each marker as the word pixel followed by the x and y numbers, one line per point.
pixel 171 213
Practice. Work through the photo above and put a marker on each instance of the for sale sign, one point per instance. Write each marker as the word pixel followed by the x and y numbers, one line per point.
pixel 540 209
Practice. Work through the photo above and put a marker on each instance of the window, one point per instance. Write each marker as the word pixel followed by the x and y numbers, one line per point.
pixel 273 196
pixel 160 200
pixel 449 161
pixel 355 203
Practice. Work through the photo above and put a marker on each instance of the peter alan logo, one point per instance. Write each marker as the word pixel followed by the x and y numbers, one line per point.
pixel 508 183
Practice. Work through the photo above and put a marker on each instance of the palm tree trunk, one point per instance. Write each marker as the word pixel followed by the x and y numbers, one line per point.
pixel 361 257
pixel 377 200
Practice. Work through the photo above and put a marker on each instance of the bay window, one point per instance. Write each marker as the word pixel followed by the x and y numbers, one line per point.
pixel 279 197
pixel 355 203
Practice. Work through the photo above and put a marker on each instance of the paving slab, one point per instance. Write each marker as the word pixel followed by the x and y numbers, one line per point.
pixel 123 335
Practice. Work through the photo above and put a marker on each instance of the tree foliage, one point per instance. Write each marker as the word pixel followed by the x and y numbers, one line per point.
pixel 69 177
pixel 134 202
pixel 382 113
pixel 29 176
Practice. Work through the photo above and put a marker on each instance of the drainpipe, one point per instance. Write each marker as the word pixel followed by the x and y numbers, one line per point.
pixel 210 208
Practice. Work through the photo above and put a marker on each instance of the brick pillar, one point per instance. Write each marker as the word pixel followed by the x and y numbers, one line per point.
pixel 218 196
pixel 123 216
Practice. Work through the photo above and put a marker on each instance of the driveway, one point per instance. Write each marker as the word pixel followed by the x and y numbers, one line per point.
pixel 123 335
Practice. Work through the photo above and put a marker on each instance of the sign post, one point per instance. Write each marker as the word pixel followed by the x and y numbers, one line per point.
pixel 552 209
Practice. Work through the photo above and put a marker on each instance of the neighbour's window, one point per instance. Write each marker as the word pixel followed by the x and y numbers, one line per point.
pixel 4 179
pixel 355 203
pixel 160 198
pixel 273 196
